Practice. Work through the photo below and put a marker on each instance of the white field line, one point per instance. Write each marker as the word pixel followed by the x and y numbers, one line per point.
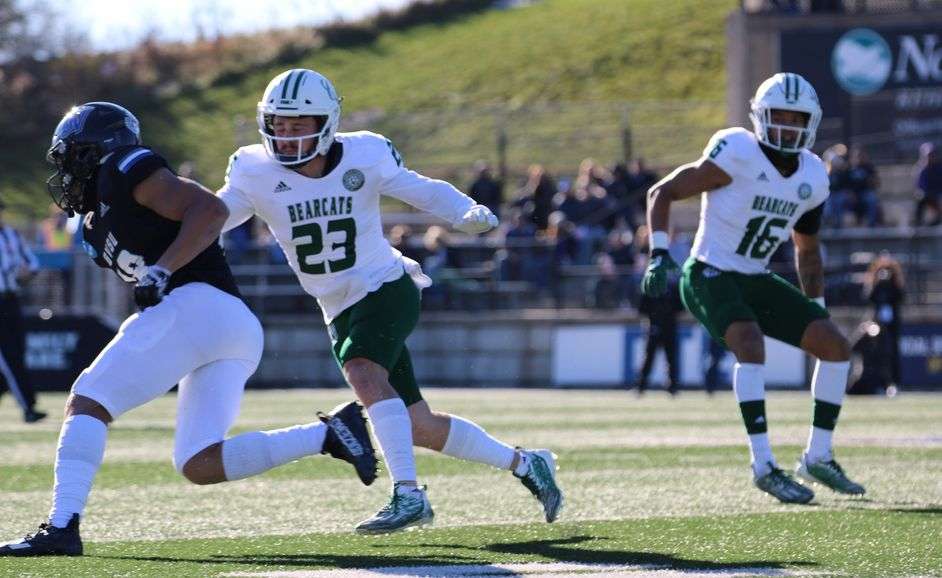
pixel 533 570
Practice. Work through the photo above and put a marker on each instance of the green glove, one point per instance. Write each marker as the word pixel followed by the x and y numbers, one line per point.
pixel 660 265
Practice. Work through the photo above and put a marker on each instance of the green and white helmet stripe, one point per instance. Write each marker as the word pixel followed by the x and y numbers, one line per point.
pixel 299 92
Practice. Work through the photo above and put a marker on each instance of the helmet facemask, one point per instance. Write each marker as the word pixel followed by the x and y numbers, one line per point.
pixel 773 134
pixel 307 146
pixel 72 185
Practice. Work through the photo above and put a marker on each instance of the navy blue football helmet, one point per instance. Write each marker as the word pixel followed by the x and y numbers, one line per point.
pixel 83 138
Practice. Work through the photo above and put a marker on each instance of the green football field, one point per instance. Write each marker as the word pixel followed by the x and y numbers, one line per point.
pixel 654 487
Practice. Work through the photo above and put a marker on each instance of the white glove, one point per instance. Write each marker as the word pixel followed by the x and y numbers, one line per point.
pixel 478 219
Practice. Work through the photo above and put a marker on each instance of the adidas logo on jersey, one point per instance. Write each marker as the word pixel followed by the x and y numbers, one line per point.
pixel 763 177
pixel 281 187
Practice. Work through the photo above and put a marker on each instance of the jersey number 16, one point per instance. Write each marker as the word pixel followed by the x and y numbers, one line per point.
pixel 765 242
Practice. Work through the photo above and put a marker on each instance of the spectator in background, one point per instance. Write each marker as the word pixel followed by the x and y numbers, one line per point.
pixel 518 255
pixel 584 206
pixel 661 327
pixel 625 207
pixel 619 247
pixel 561 235
pixel 400 237
pixel 17 264
pixel 841 198
pixel 661 334
pixel 714 357
pixel 439 262
pixel 640 179
pixel 863 182
pixel 928 185
pixel 485 189
pixel 885 288
pixel 536 196
pixel 607 290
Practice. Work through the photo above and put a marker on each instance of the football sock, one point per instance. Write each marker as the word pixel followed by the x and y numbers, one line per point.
pixel 827 386
pixel 749 387
pixel 252 453
pixel 78 457
pixel 393 430
pixel 468 441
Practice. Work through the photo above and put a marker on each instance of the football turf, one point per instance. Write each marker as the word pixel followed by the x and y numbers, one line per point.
pixel 654 486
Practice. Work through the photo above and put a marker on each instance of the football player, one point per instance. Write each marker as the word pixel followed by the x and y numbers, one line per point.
pixel 160 232
pixel 757 188
pixel 319 192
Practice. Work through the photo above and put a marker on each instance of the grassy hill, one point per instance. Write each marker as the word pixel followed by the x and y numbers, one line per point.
pixel 554 75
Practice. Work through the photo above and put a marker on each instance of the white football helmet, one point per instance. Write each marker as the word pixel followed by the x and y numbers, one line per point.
pixel 299 92
pixel 785 91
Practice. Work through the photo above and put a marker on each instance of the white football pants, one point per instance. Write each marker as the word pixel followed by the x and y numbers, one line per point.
pixel 199 337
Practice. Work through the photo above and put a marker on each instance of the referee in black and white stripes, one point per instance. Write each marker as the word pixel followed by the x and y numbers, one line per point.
pixel 16 262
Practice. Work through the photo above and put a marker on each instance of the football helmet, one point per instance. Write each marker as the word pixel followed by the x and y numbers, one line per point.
pixel 785 91
pixel 299 92
pixel 83 138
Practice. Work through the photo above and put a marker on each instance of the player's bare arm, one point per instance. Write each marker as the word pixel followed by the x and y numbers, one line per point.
pixel 809 264
pixel 200 213
pixel 685 181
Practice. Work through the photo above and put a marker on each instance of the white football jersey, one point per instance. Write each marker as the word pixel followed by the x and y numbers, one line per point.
pixel 743 223
pixel 330 227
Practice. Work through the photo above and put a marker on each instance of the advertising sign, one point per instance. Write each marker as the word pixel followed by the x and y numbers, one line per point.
pixel 920 349
pixel 59 348
pixel 883 84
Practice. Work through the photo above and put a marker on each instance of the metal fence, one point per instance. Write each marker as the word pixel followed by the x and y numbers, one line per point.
pixel 446 142
pixel 514 275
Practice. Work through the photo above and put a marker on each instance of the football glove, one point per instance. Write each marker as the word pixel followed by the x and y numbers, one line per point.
pixel 150 288
pixel 478 219
pixel 660 265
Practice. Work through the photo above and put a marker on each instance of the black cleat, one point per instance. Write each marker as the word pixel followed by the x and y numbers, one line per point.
pixel 32 416
pixel 48 541
pixel 348 439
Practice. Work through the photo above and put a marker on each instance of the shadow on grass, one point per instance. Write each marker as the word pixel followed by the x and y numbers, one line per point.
pixel 312 560
pixel 562 550
pixel 559 550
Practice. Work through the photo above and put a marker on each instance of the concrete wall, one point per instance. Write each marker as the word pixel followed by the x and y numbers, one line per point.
pixel 447 349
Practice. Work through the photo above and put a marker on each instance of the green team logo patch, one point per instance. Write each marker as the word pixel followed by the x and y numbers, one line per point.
pixel 353 179
pixel 804 191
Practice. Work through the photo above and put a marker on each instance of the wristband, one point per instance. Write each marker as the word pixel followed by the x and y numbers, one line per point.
pixel 660 240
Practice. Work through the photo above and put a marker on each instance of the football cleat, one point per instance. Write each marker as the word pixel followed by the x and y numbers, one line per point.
pixel 406 509
pixel 828 473
pixel 32 415
pixel 783 487
pixel 348 439
pixel 48 541
pixel 541 481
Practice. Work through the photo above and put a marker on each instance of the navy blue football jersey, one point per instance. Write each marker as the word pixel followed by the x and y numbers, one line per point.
pixel 126 237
